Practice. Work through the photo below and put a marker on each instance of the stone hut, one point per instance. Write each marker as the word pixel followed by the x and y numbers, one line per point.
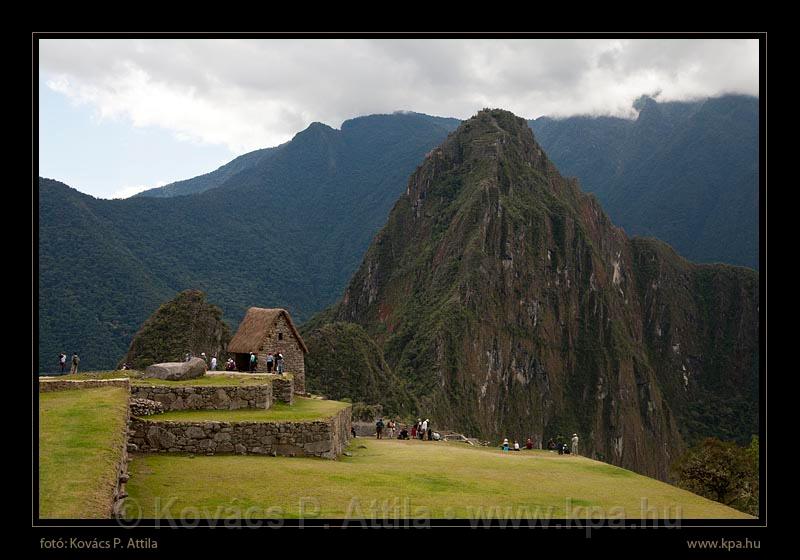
pixel 270 330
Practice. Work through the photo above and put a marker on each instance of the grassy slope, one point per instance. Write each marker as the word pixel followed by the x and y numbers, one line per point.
pixel 391 479
pixel 303 409
pixel 213 379
pixel 80 441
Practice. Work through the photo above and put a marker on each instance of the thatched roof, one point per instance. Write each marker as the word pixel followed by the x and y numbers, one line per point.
pixel 257 323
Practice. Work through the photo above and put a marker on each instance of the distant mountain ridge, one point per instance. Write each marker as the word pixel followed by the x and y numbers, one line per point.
pixel 684 172
pixel 288 225
pixel 286 230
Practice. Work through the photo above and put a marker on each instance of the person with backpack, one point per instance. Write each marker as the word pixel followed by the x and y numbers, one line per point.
pixel 75 361
pixel 270 361
pixel 62 361
pixel 253 361
pixel 379 428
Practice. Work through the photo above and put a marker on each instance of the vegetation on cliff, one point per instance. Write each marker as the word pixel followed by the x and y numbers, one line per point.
pixel 186 323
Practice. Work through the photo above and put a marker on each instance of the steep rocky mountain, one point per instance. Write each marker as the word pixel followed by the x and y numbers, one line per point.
pixel 186 323
pixel 509 304
pixel 287 229
pixel 684 172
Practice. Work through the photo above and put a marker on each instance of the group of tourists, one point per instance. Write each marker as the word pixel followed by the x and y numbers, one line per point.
pixel 62 362
pixel 274 362
pixel 421 429
pixel 553 445
pixel 514 446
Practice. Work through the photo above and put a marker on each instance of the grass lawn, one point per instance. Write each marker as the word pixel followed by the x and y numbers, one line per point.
pixel 215 378
pixel 303 409
pixel 405 479
pixel 80 441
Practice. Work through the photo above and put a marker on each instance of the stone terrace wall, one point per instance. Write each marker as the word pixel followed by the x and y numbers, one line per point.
pixel 283 390
pixel 227 397
pixel 51 384
pixel 325 438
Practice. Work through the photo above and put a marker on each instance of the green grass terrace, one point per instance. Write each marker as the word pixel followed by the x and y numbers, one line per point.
pixel 391 479
pixel 211 378
pixel 81 433
pixel 303 410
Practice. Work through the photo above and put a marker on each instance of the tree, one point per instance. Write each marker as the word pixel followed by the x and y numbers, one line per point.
pixel 722 471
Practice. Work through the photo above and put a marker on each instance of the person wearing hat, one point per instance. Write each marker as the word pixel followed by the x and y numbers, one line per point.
pixel 574 444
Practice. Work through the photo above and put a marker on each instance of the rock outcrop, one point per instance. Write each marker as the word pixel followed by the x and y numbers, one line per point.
pixel 177 371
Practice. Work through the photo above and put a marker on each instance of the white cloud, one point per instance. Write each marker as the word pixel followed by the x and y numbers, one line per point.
pixel 129 191
pixel 248 94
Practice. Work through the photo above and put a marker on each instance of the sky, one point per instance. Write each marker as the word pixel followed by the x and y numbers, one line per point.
pixel 117 116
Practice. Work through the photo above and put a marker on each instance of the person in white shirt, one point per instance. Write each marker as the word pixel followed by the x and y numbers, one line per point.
pixel 574 444
pixel 213 363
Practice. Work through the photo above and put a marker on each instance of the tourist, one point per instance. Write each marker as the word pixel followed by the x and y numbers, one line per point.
pixel 529 444
pixel 403 434
pixel 62 361
pixel 379 428
pixel 505 444
pixel 390 428
pixel 574 444
pixel 270 361
pixel 279 363
pixel 516 445
pixel 430 429
pixel 414 431
pixel 75 361
pixel 424 429
pixel 205 358
pixel 230 365
pixel 353 431
pixel 214 362
pixel 253 361
pixel 551 445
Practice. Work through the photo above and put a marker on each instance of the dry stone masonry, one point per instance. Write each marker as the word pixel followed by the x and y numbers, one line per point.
pixel 323 438
pixel 208 397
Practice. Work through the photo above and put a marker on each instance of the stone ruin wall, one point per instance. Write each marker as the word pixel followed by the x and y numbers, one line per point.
pixel 206 397
pixel 322 438
pixel 293 359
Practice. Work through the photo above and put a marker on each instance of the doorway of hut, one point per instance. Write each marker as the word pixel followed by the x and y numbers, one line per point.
pixel 242 361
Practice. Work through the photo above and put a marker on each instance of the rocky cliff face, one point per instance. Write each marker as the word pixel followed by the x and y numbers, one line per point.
pixel 510 305
pixel 187 323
